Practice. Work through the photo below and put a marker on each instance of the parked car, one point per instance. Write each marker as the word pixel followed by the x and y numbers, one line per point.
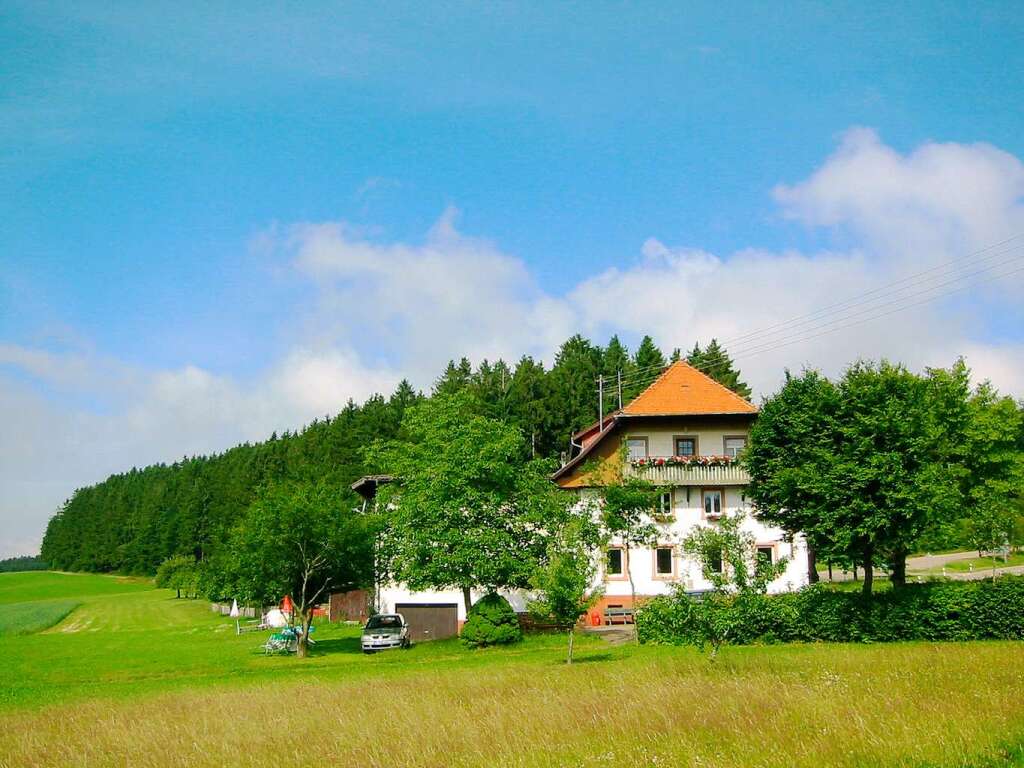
pixel 385 631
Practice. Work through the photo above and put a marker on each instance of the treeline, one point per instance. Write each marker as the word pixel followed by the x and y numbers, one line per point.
pixel 23 563
pixel 135 520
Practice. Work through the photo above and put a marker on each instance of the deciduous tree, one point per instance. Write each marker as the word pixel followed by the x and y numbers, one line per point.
pixel 301 541
pixel 468 508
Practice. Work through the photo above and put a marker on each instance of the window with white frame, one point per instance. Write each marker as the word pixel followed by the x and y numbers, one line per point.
pixel 663 561
pixel 665 504
pixel 637 447
pixel 712 502
pixel 766 555
pixel 734 446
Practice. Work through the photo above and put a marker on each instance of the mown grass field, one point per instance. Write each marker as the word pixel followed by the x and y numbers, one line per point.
pixel 134 677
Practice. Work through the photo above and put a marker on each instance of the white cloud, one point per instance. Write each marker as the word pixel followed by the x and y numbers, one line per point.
pixel 384 310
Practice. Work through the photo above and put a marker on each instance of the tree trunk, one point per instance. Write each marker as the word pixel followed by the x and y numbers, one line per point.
pixel 898 568
pixel 571 634
pixel 302 646
pixel 467 598
pixel 830 570
pixel 869 569
pixel 812 565
pixel 632 596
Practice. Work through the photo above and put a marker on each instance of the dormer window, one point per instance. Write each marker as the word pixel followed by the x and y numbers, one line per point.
pixel 686 446
pixel 637 448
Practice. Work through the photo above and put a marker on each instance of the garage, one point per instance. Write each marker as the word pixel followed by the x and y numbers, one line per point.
pixel 430 621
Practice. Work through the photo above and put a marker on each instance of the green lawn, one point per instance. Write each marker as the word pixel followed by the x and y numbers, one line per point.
pixel 131 667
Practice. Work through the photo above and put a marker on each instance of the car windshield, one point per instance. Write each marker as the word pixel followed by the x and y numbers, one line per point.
pixel 384 622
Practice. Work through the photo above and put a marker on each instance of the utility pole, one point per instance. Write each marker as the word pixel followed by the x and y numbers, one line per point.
pixel 618 376
pixel 600 402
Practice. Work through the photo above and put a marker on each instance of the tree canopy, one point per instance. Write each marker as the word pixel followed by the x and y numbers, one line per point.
pixel 468 507
pixel 299 540
pixel 865 465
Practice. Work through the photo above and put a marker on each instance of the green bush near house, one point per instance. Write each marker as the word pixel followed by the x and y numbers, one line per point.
pixel 936 611
pixel 491 621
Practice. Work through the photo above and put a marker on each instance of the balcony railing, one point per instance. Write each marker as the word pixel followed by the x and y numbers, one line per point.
pixel 670 471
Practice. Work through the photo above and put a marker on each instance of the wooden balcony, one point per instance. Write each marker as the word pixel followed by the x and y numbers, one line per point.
pixel 690 474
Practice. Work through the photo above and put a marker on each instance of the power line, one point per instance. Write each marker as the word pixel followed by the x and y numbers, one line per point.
pixel 760 346
pixel 880 288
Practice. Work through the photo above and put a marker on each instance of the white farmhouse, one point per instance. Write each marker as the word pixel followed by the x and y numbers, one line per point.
pixel 683 433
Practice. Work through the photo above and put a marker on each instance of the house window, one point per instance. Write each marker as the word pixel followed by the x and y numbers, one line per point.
pixel 686 446
pixel 766 555
pixel 614 566
pixel 637 447
pixel 663 561
pixel 734 446
pixel 715 561
pixel 665 504
pixel 713 503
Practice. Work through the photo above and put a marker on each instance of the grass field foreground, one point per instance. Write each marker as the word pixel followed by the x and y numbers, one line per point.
pixel 132 670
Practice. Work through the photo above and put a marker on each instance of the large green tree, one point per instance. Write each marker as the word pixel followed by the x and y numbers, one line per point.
pixel 468 507
pixel 862 467
pixel 299 540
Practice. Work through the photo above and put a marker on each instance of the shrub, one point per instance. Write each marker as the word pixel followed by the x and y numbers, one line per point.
pixel 491 621
pixel 948 610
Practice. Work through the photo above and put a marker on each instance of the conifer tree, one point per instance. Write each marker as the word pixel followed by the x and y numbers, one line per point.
pixel 572 396
pixel 616 365
pixel 456 378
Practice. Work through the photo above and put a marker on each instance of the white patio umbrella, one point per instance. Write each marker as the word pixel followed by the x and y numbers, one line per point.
pixel 235 613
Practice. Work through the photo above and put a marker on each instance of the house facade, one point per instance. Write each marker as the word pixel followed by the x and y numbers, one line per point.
pixel 684 434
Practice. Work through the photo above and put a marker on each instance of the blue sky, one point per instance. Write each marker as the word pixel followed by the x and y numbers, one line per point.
pixel 170 176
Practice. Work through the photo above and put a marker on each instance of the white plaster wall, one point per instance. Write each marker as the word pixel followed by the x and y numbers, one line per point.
pixel 686 514
pixel 393 594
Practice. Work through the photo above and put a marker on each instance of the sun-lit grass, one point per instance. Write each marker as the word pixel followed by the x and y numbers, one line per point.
pixel 47 585
pixel 26 618
pixel 142 679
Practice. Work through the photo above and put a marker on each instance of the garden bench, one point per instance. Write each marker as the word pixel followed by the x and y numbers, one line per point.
pixel 618 615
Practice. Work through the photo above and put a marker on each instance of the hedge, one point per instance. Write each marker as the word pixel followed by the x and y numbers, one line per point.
pixel 941 610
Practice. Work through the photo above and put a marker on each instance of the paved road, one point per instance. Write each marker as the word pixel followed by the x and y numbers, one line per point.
pixel 926 566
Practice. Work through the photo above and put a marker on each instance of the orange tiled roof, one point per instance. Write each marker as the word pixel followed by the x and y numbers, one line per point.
pixel 682 390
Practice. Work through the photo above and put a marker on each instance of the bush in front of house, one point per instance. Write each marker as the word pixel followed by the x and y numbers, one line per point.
pixel 491 621
pixel 940 611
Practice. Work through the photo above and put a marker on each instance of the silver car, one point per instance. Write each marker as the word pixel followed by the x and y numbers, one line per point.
pixel 384 632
